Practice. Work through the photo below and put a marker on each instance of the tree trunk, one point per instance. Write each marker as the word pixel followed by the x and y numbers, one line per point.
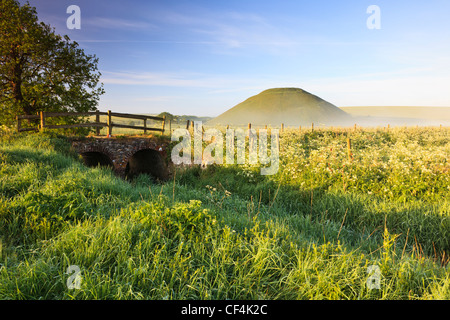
pixel 16 86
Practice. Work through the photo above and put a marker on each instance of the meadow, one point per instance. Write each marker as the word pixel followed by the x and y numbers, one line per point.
pixel 312 231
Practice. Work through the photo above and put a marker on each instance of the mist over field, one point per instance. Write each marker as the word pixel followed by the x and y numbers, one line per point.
pixel 297 107
pixel 399 116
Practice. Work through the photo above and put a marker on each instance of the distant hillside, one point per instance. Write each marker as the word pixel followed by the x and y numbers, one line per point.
pixel 400 115
pixel 291 106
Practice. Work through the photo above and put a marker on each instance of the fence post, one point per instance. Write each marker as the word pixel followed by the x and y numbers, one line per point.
pixel 250 141
pixel 19 124
pixel 42 115
pixel 145 126
pixel 109 122
pixel 164 124
pixel 282 127
pixel 97 119
pixel 349 149
pixel 312 127
pixel 187 125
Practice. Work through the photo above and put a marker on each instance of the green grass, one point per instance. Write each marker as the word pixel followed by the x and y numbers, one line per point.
pixel 226 232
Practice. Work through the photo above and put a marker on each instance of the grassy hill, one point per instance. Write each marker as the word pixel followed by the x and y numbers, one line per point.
pixel 291 106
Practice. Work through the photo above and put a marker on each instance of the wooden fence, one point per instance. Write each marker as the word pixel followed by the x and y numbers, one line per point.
pixel 109 124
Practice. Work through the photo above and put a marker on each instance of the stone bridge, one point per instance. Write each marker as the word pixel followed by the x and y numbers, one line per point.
pixel 127 156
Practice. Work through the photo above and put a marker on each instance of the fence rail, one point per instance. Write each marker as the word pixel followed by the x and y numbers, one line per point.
pixel 109 124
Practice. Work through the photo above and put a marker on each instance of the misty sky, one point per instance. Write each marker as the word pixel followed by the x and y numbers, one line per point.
pixel 204 57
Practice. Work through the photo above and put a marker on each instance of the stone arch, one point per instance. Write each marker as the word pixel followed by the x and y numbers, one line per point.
pixel 97 158
pixel 147 161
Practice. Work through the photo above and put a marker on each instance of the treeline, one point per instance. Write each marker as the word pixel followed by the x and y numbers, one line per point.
pixel 182 118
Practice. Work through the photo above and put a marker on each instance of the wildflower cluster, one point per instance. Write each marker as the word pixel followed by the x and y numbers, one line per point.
pixel 217 197
pixel 402 163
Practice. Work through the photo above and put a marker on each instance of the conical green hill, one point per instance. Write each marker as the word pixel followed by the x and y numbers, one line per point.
pixel 291 106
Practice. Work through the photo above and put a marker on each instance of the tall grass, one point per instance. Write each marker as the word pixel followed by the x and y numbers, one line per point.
pixel 399 177
pixel 208 234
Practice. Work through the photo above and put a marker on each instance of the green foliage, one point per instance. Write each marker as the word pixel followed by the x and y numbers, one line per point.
pixel 41 70
pixel 197 237
pixel 400 176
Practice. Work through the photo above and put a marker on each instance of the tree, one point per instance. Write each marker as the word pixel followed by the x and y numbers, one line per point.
pixel 168 116
pixel 41 70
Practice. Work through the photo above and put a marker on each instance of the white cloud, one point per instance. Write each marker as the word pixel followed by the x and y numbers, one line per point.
pixel 411 87
pixel 173 79
pixel 117 23
pixel 230 30
pixel 150 79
